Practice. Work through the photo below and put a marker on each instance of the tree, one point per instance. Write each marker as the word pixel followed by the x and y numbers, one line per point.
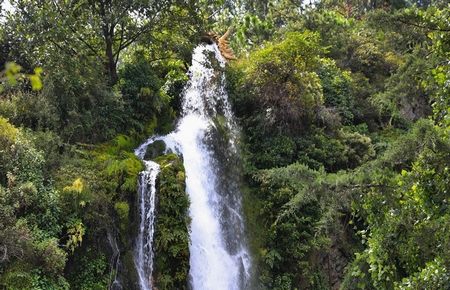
pixel 282 81
pixel 97 29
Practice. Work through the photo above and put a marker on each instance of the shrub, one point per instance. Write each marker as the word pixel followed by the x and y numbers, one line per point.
pixel 281 81
pixel 171 240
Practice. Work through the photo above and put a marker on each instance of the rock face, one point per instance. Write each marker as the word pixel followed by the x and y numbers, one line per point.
pixel 415 108
pixel 337 257
pixel 154 150
pixel 222 42
pixel 334 264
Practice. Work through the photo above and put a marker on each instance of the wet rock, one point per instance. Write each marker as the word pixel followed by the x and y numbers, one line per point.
pixel 154 150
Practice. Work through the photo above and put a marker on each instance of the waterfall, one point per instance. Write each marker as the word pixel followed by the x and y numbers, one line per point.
pixel 147 196
pixel 205 138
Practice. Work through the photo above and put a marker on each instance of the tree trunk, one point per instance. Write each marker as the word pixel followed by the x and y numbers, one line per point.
pixel 111 62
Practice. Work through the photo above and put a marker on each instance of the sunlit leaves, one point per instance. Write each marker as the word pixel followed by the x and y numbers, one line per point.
pixel 75 232
pixel 9 132
pixel 77 186
pixel 434 22
pixel 282 80
pixel 434 275
pixel 35 79
pixel 12 75
pixel 11 72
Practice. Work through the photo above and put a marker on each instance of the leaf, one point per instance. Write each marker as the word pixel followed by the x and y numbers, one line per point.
pixel 36 83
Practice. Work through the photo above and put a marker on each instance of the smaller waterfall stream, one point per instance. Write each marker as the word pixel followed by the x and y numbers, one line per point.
pixel 147 200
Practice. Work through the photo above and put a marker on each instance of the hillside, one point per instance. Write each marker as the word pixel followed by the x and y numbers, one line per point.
pixel 324 146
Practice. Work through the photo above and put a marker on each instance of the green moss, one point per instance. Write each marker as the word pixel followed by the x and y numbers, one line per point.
pixel 155 149
pixel 257 233
pixel 128 273
pixel 220 122
pixel 122 209
pixel 171 241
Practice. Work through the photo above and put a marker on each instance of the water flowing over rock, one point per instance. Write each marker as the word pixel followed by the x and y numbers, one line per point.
pixel 205 137
pixel 147 197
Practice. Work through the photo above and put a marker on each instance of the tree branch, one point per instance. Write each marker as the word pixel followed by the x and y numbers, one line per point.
pixel 356 186
pixel 70 51
pixel 5 254
pixel 145 28
pixel 117 53
pixel 422 26
pixel 76 33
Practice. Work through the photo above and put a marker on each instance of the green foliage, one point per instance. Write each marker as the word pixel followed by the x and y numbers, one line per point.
pixel 406 218
pixel 9 132
pixel 123 210
pixel 90 271
pixel 357 276
pixel 378 79
pixel 75 232
pixel 29 217
pixel 42 268
pixel 31 110
pixel 291 123
pixel 22 176
pixel 277 151
pixel 22 280
pixel 337 89
pixel 87 110
pixel 435 18
pixel 19 159
pixel 140 85
pixel 98 191
pixel 292 210
pixel 434 276
pixel 282 81
pixel 347 150
pixel 405 95
pixel 172 226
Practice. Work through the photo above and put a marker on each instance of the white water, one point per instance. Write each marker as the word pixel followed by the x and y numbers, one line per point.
pixel 219 259
pixel 147 196
pixel 213 266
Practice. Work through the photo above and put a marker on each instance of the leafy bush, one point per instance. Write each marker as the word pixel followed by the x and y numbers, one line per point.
pixel 292 212
pixel 90 271
pixel 406 215
pixel 434 276
pixel 87 109
pixel 337 89
pixel 281 81
pixel 140 87
pixel 30 109
pixel 171 241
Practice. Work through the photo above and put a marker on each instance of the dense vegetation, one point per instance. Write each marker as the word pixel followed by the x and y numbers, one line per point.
pixel 344 108
pixel 171 235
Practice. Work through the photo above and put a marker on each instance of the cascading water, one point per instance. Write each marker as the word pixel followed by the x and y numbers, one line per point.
pixel 205 137
pixel 147 196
